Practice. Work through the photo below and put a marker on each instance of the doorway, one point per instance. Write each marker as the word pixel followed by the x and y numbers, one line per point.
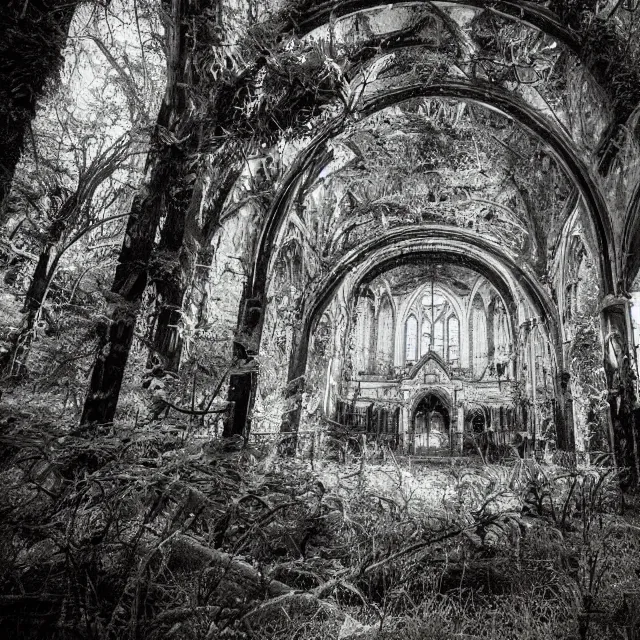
pixel 431 426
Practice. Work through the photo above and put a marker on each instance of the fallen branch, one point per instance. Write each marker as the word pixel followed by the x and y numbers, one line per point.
pixel 244 569
pixel 207 410
pixel 421 545
pixel 194 412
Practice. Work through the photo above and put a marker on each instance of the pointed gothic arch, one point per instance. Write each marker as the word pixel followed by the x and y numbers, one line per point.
pixel 385 335
pixel 488 96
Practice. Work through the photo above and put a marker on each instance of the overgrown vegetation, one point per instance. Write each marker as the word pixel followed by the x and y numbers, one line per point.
pixel 157 533
pixel 117 273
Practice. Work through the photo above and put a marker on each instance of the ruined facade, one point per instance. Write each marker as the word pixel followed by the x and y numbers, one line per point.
pixel 471 151
pixel 420 220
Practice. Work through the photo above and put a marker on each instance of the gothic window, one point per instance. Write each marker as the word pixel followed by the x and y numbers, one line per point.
pixel 438 337
pixel 411 339
pixel 425 338
pixel 541 365
pixel 296 269
pixel 578 281
pixel 453 343
pixel 384 350
pixel 501 334
pixel 434 311
pixel 364 335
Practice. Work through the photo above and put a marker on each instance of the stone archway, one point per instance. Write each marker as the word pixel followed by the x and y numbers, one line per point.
pixel 430 432
pixel 420 243
pixel 476 420
pixel 251 316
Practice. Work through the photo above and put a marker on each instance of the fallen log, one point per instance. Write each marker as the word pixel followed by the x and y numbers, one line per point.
pixel 190 553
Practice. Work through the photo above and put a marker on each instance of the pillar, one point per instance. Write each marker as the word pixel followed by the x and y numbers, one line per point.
pixel 565 432
pixel 294 395
pixel 534 386
pixel 404 428
pixel 460 424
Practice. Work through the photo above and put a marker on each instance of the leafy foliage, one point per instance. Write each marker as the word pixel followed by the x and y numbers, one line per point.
pixel 148 533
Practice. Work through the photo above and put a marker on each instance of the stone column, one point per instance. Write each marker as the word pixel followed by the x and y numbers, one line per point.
pixel 565 431
pixel 296 383
pixel 294 395
pixel 404 427
pixel 534 387
pixel 460 424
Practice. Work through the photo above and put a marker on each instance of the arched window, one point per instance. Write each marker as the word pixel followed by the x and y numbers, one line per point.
pixel 411 339
pixel 425 337
pixel 578 293
pixel 438 337
pixel 453 343
pixel 479 336
pixel 364 335
pixel 501 334
pixel 542 356
pixel 434 310
pixel 384 351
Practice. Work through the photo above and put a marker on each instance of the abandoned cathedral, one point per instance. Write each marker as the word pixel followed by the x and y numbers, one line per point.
pixel 451 257
pixel 418 221
pixel 319 319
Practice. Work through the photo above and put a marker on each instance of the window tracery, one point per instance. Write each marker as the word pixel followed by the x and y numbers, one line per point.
pixel 364 335
pixel 384 350
pixel 574 274
pixel 425 336
pixel 453 340
pixel 438 337
pixel 411 339
pixel 434 308
pixel 501 334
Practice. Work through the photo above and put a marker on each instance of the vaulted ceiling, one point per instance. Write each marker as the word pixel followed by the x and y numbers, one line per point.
pixel 489 117
pixel 429 161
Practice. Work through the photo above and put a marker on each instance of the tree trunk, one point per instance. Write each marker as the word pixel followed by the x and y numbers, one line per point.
pixel 168 188
pixel 128 288
pixel 14 361
pixel 169 274
pixel 182 243
pixel 32 37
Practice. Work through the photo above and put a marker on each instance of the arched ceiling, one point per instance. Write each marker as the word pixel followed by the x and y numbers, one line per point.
pixel 537 59
pixel 418 143
pixel 443 162
pixel 404 279
pixel 429 246
pixel 531 13
pixel 435 244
